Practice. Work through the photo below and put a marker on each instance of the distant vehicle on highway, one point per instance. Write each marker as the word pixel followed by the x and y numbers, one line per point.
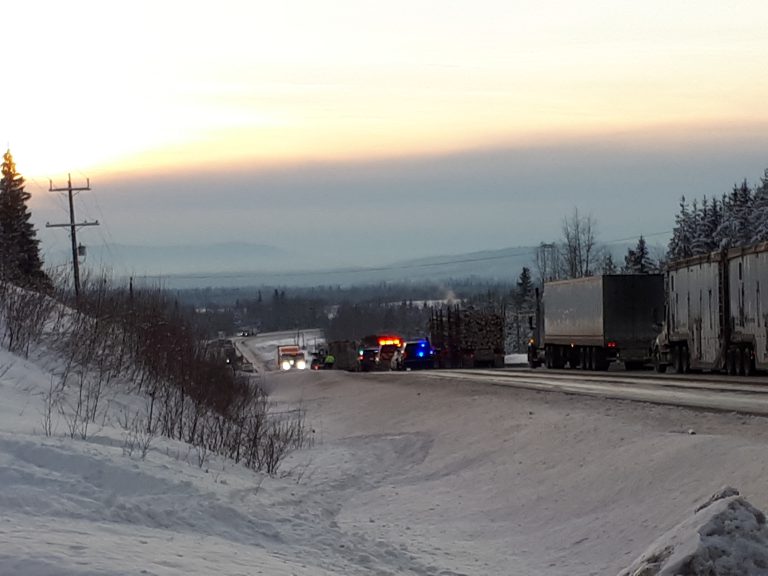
pixel 389 357
pixel 417 355
pixel 368 359
pixel 290 358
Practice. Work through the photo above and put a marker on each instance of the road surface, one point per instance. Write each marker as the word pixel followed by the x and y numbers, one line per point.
pixel 708 391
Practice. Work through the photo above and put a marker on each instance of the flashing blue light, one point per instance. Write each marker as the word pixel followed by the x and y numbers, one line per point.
pixel 421 354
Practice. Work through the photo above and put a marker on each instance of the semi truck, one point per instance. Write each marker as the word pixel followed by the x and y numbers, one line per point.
pixel 467 337
pixel 717 313
pixel 594 321
pixel 290 357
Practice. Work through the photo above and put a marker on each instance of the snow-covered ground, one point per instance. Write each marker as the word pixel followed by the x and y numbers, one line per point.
pixel 516 359
pixel 407 475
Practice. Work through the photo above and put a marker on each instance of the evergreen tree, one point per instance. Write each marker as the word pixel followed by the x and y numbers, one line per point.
pixel 19 248
pixel 680 244
pixel 524 293
pixel 735 228
pixel 607 265
pixel 639 261
pixel 715 220
pixel 759 213
pixel 705 225
pixel 517 331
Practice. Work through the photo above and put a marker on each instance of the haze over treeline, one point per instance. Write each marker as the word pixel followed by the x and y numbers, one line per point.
pixel 337 214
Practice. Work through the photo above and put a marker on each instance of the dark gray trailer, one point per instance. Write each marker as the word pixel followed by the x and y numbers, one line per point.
pixel 593 321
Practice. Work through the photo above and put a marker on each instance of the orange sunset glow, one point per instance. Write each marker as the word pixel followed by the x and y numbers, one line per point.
pixel 172 84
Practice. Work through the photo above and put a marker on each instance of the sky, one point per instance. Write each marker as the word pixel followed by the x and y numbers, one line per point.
pixel 381 129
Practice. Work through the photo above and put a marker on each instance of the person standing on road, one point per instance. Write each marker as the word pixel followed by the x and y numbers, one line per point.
pixel 329 361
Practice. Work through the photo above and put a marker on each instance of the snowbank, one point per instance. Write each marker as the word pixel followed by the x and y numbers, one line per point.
pixel 727 536
pixel 516 360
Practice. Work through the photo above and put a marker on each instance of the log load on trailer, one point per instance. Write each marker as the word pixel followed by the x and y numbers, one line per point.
pixel 593 321
pixel 717 314
pixel 290 357
pixel 467 337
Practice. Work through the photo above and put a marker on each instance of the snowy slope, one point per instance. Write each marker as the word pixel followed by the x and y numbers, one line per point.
pixel 407 475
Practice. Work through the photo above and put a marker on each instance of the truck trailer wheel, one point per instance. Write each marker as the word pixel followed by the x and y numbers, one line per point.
pixel 749 362
pixel 573 357
pixel 558 357
pixel 658 366
pixel 680 359
pixel 739 356
pixel 685 358
pixel 586 358
pixel 731 362
pixel 601 361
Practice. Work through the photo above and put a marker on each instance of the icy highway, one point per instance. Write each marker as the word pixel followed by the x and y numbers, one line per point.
pixel 708 391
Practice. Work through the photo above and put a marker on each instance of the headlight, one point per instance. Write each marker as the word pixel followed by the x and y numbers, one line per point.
pixel 285 365
pixel 301 364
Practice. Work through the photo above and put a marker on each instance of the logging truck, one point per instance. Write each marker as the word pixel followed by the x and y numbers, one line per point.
pixel 467 337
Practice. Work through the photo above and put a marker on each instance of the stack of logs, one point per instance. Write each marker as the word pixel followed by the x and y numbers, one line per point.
pixel 466 337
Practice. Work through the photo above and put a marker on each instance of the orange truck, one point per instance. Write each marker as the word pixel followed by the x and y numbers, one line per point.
pixel 290 357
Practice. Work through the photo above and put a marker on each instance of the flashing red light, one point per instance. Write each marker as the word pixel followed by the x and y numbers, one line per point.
pixel 611 344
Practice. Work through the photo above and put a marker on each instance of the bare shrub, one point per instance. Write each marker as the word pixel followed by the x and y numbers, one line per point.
pixel 23 315
pixel 138 433
pixel 51 402
pixel 144 340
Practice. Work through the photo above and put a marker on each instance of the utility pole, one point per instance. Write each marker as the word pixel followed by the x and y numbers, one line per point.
pixel 72 225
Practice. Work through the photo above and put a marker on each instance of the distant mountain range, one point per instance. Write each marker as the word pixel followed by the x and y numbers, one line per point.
pixel 242 264
pixel 195 259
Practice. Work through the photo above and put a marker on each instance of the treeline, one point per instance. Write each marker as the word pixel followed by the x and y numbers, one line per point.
pixel 356 317
pixel 353 294
pixel 739 218
pixel 354 312
pixel 340 319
